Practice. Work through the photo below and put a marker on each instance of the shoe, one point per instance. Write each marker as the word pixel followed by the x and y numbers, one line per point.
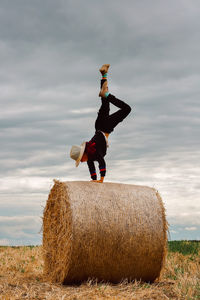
pixel 104 69
pixel 104 89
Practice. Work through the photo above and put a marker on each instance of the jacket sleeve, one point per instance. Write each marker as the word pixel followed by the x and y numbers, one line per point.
pixel 92 169
pixel 102 165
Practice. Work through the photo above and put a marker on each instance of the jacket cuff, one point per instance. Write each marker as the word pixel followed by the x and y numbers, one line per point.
pixel 103 173
pixel 94 176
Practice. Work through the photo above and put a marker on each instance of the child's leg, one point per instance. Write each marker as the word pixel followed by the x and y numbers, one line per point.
pixel 111 121
pixel 103 114
pixel 119 115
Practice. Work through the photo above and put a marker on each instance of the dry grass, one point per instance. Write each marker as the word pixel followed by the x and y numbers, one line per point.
pixel 108 231
pixel 21 272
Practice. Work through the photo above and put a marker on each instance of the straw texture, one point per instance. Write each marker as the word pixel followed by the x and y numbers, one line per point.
pixel 107 231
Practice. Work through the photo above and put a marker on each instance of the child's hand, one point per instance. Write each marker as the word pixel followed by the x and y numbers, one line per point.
pixel 100 181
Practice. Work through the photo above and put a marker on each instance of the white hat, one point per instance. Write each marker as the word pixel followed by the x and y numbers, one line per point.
pixel 76 152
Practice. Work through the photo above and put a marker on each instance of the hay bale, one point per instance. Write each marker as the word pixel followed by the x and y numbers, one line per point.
pixel 107 231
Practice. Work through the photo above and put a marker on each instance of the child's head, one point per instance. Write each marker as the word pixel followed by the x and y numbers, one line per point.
pixel 77 153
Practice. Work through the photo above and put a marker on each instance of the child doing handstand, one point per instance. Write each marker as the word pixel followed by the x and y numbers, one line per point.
pixel 96 148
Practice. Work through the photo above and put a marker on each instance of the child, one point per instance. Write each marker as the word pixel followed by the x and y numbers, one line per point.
pixel 96 148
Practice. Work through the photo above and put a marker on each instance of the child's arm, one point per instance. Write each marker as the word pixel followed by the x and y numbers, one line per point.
pixel 92 169
pixel 102 169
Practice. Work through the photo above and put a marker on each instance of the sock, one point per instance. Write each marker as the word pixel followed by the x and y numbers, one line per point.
pixel 106 94
pixel 104 76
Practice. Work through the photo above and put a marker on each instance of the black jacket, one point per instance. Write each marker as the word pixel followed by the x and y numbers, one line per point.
pixel 101 149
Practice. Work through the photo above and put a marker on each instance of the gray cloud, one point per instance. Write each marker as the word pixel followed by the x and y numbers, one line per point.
pixel 20 230
pixel 50 53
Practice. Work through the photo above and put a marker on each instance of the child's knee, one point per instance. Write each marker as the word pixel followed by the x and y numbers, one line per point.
pixel 127 109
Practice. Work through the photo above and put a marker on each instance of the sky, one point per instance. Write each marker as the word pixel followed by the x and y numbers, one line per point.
pixel 50 55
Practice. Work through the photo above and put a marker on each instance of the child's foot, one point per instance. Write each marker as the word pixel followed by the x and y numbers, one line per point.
pixel 104 90
pixel 104 69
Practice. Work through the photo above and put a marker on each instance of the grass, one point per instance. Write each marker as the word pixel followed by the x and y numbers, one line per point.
pixel 184 247
pixel 21 278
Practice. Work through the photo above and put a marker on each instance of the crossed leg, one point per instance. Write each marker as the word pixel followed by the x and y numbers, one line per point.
pixel 106 122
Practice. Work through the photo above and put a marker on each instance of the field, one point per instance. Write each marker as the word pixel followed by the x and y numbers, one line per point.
pixel 21 278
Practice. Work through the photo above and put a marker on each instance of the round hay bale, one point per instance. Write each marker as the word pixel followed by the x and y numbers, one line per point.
pixel 104 231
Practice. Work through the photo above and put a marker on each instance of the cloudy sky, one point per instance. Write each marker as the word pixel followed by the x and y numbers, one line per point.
pixel 50 53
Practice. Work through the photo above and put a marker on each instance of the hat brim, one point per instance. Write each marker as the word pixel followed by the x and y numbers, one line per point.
pixel 81 153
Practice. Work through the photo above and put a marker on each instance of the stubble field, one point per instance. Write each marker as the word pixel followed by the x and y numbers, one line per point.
pixel 21 278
